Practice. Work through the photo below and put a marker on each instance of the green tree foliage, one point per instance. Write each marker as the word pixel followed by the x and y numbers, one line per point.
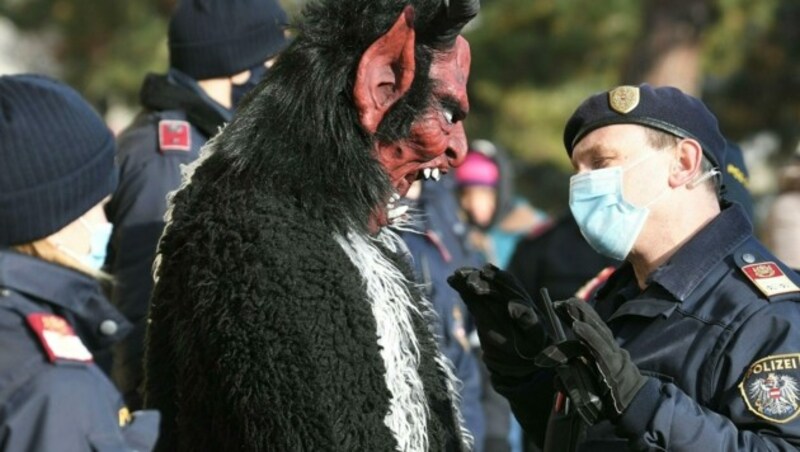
pixel 534 61
pixel 753 66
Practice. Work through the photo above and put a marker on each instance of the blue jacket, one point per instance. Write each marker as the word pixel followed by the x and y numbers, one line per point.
pixel 151 152
pixel 716 330
pixel 438 248
pixel 52 396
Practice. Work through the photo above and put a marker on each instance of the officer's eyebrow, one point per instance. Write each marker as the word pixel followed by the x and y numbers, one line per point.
pixel 593 151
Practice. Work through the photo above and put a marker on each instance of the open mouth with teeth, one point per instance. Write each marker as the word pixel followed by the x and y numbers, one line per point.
pixel 430 173
pixel 394 211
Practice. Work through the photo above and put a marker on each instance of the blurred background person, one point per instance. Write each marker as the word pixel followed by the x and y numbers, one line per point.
pixel 557 258
pixel 436 239
pixel 736 180
pixel 782 227
pixel 498 218
pixel 58 171
pixel 218 51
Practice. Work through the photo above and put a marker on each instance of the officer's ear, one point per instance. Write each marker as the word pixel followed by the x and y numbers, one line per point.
pixel 687 165
pixel 385 72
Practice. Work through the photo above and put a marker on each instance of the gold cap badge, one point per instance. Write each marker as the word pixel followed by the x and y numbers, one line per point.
pixel 623 99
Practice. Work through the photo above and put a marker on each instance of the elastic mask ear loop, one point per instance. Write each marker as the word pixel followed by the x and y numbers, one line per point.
pixel 636 163
pixel 69 252
pixel 663 193
pixel 86 225
pixel 702 178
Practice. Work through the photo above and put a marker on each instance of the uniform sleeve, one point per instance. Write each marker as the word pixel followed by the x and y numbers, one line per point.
pixel 755 406
pixel 63 408
pixel 137 211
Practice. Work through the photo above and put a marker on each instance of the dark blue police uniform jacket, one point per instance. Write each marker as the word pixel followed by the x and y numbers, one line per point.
pixel 723 354
pixel 52 397
pixel 150 168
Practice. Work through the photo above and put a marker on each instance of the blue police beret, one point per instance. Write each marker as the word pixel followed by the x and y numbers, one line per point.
pixel 665 108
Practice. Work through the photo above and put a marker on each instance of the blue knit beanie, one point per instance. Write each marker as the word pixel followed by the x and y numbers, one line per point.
pixel 56 158
pixel 217 38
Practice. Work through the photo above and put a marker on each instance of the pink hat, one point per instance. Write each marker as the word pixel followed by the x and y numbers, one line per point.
pixel 478 169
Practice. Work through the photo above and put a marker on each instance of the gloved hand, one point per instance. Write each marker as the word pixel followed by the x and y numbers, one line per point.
pixel 577 377
pixel 509 329
pixel 617 372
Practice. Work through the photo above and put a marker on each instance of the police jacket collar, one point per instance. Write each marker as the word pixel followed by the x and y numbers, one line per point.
pixel 690 265
pixel 164 92
pixel 675 281
pixel 71 291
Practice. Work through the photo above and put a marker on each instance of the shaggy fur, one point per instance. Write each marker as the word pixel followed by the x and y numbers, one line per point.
pixel 394 308
pixel 276 348
pixel 263 333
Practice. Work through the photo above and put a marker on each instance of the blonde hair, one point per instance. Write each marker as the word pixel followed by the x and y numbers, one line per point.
pixel 46 251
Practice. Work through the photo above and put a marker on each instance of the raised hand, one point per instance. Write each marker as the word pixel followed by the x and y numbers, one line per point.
pixel 509 328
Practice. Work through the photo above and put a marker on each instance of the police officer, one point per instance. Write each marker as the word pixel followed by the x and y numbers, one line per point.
pixel 58 169
pixel 218 50
pixel 693 340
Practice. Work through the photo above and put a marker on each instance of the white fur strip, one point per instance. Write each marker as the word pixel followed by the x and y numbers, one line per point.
pixel 392 306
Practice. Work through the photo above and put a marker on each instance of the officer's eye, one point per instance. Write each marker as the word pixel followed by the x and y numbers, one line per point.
pixel 599 162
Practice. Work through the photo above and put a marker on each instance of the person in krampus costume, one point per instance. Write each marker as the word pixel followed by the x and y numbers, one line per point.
pixel 283 315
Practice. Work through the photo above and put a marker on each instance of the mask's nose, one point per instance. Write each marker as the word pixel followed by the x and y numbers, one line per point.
pixel 457 146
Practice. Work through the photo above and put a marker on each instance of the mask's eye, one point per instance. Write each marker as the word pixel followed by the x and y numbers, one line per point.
pixel 448 115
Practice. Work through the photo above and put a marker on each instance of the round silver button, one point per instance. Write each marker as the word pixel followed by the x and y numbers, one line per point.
pixel 109 327
pixel 5 292
pixel 749 258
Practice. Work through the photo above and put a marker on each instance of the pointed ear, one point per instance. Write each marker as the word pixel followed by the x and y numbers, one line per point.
pixel 385 72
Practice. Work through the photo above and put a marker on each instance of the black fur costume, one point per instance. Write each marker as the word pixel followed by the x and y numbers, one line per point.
pixel 261 334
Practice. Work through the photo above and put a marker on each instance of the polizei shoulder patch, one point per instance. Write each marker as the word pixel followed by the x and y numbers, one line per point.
pixel 771 387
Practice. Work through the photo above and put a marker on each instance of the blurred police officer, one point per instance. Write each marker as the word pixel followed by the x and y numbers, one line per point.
pixel 693 338
pixel 58 169
pixel 218 51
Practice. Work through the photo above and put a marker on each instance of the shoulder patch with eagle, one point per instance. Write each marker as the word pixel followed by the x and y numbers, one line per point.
pixel 771 387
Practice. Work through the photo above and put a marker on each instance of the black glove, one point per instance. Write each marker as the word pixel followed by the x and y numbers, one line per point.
pixel 510 332
pixel 577 377
pixel 617 371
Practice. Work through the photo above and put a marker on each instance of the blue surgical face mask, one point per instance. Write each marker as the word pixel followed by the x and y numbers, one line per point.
pixel 238 92
pixel 99 236
pixel 609 223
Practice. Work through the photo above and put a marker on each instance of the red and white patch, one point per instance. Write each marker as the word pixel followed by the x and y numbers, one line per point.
pixel 174 135
pixel 769 278
pixel 58 338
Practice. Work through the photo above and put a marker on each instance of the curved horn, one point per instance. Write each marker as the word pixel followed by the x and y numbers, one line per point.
pixel 453 17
